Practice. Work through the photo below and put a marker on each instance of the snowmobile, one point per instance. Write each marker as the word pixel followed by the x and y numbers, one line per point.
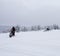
pixel 12 32
pixel 10 35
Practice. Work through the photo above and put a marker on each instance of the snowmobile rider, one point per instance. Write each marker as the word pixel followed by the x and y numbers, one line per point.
pixel 13 31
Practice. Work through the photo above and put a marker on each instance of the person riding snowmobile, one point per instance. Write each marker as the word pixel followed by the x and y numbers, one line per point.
pixel 12 32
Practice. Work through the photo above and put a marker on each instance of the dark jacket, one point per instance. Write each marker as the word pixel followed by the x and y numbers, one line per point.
pixel 13 31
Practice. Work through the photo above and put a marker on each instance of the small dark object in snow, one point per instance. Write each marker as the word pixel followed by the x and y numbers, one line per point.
pixel 47 29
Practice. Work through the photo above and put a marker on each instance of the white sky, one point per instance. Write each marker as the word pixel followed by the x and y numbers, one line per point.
pixel 29 12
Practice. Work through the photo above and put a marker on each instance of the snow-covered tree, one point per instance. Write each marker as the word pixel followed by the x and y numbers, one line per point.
pixel 17 28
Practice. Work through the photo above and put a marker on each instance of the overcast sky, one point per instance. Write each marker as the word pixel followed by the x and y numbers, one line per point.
pixel 29 12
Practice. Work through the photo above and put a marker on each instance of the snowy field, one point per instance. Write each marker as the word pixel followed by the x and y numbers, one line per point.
pixel 37 43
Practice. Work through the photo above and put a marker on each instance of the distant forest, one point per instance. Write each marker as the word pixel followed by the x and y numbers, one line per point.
pixel 6 29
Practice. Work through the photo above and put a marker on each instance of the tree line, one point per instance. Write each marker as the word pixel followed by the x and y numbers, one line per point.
pixel 37 28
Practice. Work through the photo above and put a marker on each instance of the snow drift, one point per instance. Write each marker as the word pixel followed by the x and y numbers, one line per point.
pixel 37 43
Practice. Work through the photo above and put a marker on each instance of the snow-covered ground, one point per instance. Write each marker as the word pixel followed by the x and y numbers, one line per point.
pixel 37 43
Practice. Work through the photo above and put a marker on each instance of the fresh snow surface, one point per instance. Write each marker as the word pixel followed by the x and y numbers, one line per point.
pixel 33 43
